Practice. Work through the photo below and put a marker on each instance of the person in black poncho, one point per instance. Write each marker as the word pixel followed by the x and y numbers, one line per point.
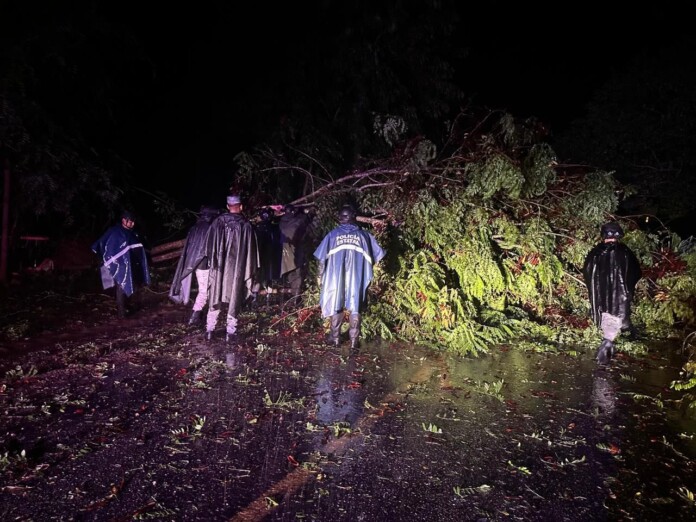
pixel 611 272
pixel 269 245
pixel 194 260
pixel 294 224
pixel 233 260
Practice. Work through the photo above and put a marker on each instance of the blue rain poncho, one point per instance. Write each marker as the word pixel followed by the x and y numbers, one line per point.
pixel 124 261
pixel 347 256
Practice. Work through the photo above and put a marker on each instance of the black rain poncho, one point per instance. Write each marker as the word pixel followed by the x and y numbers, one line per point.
pixel 293 228
pixel 611 272
pixel 233 261
pixel 193 257
pixel 270 248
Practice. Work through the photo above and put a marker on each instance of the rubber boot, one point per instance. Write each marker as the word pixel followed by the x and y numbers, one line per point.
pixel 335 334
pixel 121 302
pixel 604 352
pixel 196 317
pixel 354 331
pixel 630 332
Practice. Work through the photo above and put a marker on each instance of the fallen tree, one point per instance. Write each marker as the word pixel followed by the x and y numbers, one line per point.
pixel 485 236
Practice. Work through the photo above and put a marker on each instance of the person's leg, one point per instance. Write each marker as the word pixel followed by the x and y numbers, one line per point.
pixel 231 329
pixel 201 297
pixel 335 334
pixel 611 327
pixel 211 322
pixel 121 302
pixel 354 330
pixel 255 289
pixel 295 282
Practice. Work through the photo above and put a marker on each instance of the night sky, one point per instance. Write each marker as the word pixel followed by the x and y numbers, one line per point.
pixel 532 61
pixel 215 71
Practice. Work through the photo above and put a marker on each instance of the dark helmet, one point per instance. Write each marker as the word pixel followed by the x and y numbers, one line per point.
pixel 209 213
pixel 346 215
pixel 265 214
pixel 611 230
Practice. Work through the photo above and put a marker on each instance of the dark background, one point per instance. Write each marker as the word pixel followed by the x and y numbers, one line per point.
pixel 178 90
pixel 221 72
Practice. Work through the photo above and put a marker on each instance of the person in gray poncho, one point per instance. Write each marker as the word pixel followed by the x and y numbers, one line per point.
pixel 194 261
pixel 611 272
pixel 233 261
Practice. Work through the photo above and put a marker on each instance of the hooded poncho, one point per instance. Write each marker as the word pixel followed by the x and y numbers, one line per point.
pixel 124 261
pixel 347 256
pixel 193 257
pixel 611 272
pixel 233 260
pixel 293 227
pixel 270 248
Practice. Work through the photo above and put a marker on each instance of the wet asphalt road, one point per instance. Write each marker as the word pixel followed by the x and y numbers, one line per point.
pixel 161 425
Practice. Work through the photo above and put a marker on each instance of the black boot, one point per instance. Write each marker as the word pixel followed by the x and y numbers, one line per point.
pixel 196 317
pixel 630 332
pixel 121 307
pixel 604 352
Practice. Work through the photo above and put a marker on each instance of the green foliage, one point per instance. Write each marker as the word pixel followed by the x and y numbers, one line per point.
pixel 688 376
pixel 538 169
pixel 595 201
pixel 672 304
pixel 497 174
pixel 485 245
pixel 669 290
pixel 171 216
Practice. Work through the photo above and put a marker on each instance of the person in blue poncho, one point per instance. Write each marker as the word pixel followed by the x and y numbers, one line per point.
pixel 347 256
pixel 123 261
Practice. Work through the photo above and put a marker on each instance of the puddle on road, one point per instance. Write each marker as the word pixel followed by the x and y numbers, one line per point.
pixel 395 433
pixel 308 432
